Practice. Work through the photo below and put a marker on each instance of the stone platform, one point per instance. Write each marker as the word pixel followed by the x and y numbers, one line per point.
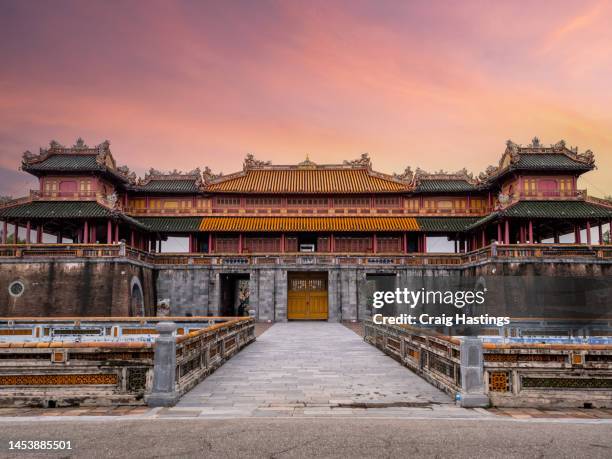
pixel 311 368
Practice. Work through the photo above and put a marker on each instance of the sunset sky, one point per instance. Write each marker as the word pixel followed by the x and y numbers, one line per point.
pixel 440 85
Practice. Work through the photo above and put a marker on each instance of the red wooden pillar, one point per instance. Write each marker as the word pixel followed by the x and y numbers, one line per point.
pixel 4 231
pixel 39 231
pixel 588 232
pixel 424 243
pixel 499 233
pixel 484 239
pixel 522 234
pixel 240 242
pixel 86 232
pixel 600 231
pixel 94 234
pixel 405 243
pixel 374 243
pixel 28 232
pixel 282 243
pixel 210 243
pixel 506 232
pixel 109 232
pixel 116 232
pixel 531 241
pixel 132 238
pixel 577 236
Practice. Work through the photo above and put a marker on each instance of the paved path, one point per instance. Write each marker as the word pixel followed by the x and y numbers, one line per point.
pixel 312 368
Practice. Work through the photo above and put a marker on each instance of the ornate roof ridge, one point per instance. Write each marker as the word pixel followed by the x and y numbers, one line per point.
pixel 56 148
pixel 252 164
pixel 156 175
pixel 514 151
pixel 102 153
pixel 462 174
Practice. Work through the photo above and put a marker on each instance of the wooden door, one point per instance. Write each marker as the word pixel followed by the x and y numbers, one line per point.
pixel 307 296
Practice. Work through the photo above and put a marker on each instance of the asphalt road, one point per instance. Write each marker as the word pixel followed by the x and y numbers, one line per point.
pixel 287 438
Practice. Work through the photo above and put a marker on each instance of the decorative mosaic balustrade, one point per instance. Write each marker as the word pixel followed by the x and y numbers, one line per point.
pixel 106 361
pixel 514 374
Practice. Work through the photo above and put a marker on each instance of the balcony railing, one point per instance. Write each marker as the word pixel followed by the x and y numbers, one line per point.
pixel 539 195
pixel 496 251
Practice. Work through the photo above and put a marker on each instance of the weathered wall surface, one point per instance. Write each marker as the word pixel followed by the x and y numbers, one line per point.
pixel 97 287
pixel 74 287
pixel 188 290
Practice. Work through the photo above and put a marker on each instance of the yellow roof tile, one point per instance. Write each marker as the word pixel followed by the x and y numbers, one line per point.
pixel 318 180
pixel 306 224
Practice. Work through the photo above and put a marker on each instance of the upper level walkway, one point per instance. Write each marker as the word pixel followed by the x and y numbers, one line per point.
pixel 548 252
pixel 314 368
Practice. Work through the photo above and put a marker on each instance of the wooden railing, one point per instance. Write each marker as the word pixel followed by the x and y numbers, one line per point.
pixel 495 251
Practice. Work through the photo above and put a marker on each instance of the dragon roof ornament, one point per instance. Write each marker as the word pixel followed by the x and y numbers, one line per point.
pixel 251 163
pixel 155 174
pixel 363 161
pixel 462 174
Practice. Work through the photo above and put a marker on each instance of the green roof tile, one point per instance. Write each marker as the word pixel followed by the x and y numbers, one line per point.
pixel 557 209
pixel 445 224
pixel 549 161
pixel 171 224
pixel 170 186
pixel 56 209
pixel 70 162
pixel 443 186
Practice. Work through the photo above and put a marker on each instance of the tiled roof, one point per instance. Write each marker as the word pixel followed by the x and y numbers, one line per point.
pixel 343 224
pixel 65 209
pixel 445 224
pixel 171 224
pixel 443 186
pixel 548 209
pixel 170 186
pixel 318 180
pixel 557 209
pixel 57 209
pixel 67 162
pixel 549 161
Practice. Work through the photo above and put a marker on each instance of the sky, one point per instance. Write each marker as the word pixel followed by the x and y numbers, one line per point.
pixel 433 84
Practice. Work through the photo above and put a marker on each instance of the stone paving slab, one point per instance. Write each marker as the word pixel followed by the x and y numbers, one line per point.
pixel 310 368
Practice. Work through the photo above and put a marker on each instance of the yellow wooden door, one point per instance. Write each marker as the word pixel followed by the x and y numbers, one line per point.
pixel 307 296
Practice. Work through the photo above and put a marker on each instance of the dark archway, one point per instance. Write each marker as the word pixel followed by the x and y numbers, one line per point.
pixel 136 299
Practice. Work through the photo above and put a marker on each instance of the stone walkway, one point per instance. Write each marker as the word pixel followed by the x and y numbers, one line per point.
pixel 312 368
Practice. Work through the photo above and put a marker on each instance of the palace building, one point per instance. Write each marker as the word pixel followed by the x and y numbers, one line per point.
pixel 286 241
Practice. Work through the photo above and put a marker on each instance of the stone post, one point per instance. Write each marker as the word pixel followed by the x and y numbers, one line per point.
pixel 164 391
pixel 472 388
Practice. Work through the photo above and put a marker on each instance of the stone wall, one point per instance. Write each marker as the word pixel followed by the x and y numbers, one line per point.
pixel 88 287
pixel 75 287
